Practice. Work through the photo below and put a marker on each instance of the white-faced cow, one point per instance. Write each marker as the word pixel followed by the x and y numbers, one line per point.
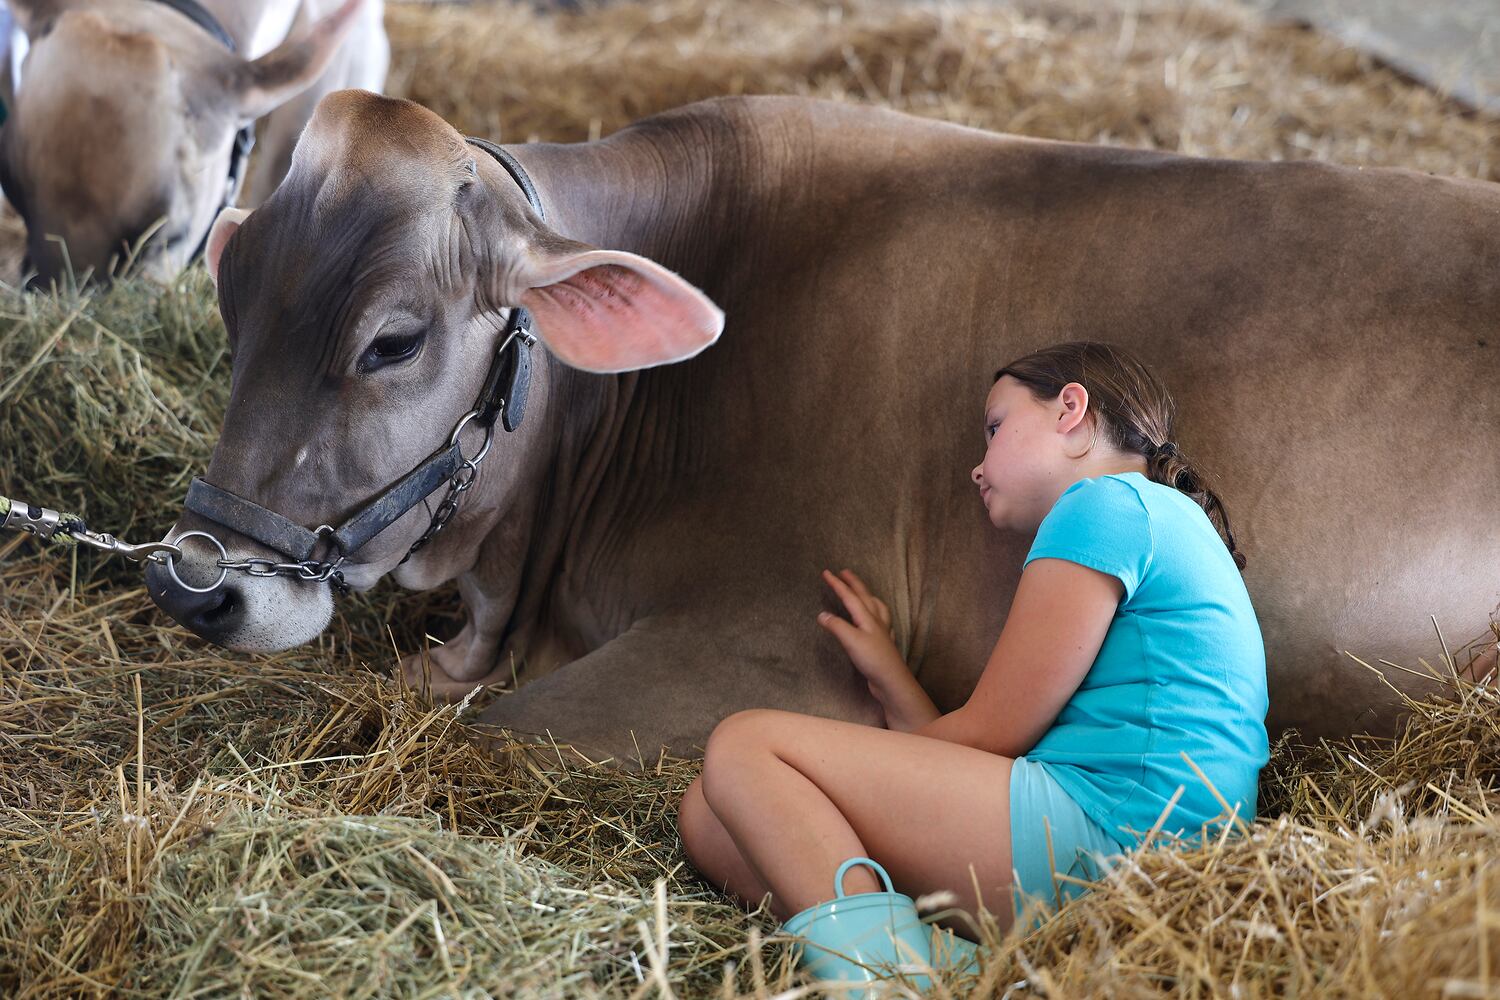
pixel 133 118
pixel 647 544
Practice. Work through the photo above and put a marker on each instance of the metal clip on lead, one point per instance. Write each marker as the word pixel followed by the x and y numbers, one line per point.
pixel 39 521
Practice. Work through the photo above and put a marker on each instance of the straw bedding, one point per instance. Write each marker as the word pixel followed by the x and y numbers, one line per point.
pixel 180 821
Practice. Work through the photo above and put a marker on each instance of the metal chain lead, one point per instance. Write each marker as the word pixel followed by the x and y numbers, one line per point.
pixel 311 570
pixel 47 525
pixel 307 569
pixel 463 479
pixel 54 526
pixel 50 525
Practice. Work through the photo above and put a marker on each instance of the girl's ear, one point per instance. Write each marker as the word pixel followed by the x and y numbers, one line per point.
pixel 1075 403
pixel 610 311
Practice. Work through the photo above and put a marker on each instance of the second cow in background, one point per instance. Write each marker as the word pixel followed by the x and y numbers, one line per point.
pixel 128 124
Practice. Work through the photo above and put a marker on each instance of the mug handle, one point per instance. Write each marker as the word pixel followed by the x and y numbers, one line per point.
pixel 838 878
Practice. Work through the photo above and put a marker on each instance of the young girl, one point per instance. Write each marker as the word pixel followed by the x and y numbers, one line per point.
pixel 1129 643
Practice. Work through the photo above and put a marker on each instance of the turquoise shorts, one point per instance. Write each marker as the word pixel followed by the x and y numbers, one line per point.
pixel 1080 846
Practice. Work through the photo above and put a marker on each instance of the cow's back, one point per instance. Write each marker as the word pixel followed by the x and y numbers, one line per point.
pixel 1329 334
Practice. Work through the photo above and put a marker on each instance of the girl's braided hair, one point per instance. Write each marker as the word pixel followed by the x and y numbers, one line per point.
pixel 1134 413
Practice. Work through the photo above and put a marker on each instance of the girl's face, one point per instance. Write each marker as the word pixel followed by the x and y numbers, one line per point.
pixel 1032 452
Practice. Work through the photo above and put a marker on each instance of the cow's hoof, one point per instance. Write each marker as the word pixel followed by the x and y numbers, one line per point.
pixel 1486 666
pixel 424 672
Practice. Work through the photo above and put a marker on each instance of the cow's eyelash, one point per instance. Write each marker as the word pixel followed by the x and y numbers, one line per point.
pixel 391 350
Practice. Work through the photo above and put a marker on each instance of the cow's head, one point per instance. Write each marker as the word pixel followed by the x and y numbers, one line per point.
pixel 123 126
pixel 364 302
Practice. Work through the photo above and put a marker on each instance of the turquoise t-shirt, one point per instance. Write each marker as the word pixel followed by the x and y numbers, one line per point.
pixel 1182 668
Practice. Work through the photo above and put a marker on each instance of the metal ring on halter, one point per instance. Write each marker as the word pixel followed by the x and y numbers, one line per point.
pixel 330 534
pixel 172 566
pixel 489 437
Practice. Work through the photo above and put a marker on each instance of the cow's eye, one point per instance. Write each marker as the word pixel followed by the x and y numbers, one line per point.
pixel 390 350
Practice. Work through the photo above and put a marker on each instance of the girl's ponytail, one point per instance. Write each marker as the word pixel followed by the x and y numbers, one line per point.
pixel 1166 464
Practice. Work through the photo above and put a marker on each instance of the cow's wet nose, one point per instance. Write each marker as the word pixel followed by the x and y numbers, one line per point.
pixel 213 616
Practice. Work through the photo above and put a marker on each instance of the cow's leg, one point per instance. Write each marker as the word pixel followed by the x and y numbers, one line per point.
pixel 667 683
pixel 471 658
pixel 438 670
pixel 1480 661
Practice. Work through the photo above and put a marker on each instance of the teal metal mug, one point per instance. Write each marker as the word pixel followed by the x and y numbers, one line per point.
pixel 953 954
pixel 864 937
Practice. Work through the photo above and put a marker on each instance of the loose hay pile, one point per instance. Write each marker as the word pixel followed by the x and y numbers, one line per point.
pixel 179 821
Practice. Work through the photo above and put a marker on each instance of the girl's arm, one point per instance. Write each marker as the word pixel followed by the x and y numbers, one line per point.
pixel 1057 622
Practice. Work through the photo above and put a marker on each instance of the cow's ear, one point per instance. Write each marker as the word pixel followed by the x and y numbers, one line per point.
pixel 260 86
pixel 35 17
pixel 610 311
pixel 225 226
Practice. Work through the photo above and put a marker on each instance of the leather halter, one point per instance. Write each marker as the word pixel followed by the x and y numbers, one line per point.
pixel 504 395
pixel 244 139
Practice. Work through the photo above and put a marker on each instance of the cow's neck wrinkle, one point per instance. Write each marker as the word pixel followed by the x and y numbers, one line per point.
pixel 539 540
pixel 621 440
pixel 590 511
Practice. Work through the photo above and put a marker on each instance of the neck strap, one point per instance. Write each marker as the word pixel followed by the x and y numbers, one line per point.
pixel 513 167
pixel 509 380
pixel 200 16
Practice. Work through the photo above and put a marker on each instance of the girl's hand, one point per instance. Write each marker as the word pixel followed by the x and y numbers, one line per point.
pixel 867 638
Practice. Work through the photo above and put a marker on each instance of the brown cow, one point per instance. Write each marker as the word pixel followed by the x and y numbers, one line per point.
pixel 648 544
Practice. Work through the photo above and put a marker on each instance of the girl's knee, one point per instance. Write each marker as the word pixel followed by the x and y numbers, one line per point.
pixel 750 727
pixel 747 730
pixel 734 744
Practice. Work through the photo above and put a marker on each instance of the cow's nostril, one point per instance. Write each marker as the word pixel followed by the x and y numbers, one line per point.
pixel 214 615
pixel 228 605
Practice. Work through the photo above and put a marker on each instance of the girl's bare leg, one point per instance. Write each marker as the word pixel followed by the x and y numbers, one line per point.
pixel 713 853
pixel 796 795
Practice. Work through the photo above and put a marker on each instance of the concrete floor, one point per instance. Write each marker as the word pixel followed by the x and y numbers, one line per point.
pixel 1451 45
